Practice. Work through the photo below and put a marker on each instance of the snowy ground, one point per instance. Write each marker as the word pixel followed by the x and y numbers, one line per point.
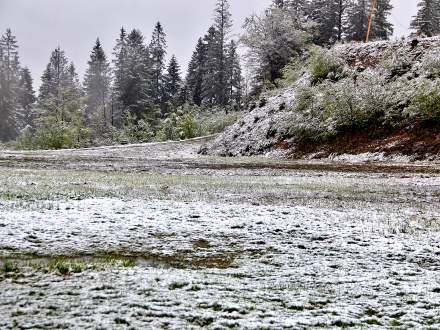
pixel 156 237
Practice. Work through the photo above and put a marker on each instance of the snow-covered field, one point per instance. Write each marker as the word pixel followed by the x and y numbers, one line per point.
pixel 143 237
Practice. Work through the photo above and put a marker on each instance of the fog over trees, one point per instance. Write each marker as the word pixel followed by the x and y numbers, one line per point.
pixel 136 88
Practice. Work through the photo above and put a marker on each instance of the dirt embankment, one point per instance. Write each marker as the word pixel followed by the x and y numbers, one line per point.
pixel 267 127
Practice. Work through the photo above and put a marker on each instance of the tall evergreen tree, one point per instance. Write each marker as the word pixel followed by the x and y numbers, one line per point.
pixel 173 82
pixel 234 77
pixel 358 16
pixel 158 52
pixel 427 20
pixel 97 87
pixel 26 99
pixel 119 67
pixel 60 93
pixel 211 89
pixel 323 13
pixel 223 26
pixel 135 90
pixel 9 85
pixel 382 28
pixel 357 24
pixel 196 73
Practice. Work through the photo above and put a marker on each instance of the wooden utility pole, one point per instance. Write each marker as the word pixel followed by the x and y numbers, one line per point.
pixel 370 19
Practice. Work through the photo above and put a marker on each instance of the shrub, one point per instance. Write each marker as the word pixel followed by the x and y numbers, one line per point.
pixel 355 104
pixel 25 140
pixel 431 64
pixel 324 64
pixel 167 130
pixel 291 72
pixel 426 103
pixel 307 100
pixel 134 131
pixel 188 126
pixel 215 121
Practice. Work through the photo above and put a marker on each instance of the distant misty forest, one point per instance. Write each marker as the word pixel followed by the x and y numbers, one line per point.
pixel 134 95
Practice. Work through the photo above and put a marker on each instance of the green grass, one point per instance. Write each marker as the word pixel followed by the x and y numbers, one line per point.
pixel 28 187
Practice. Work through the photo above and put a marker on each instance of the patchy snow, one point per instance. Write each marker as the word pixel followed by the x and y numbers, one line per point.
pixel 295 266
pixel 371 156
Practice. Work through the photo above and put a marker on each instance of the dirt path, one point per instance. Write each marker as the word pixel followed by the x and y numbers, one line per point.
pixel 155 236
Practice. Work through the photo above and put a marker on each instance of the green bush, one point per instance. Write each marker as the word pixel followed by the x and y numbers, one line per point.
pixel 324 64
pixel 215 121
pixel 167 130
pixel 188 126
pixel 307 100
pixel 426 103
pixel 355 104
pixel 291 72
pixel 134 131
pixel 431 64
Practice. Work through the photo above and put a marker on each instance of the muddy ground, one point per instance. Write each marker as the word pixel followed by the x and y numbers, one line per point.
pixel 155 236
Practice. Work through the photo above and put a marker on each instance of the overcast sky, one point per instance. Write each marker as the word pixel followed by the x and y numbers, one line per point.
pixel 42 25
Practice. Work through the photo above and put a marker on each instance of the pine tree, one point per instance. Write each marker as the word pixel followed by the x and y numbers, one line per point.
pixel 60 93
pixel 135 90
pixel 357 24
pixel 120 66
pixel 340 9
pixel 97 87
pixel 427 20
pixel 358 16
pixel 157 50
pixel 9 85
pixel 234 77
pixel 382 28
pixel 196 73
pixel 223 26
pixel 172 82
pixel 323 13
pixel 27 100
pixel 212 93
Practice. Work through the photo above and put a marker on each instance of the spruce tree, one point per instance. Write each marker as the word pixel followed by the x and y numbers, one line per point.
pixel 357 24
pixel 97 87
pixel 427 20
pixel 26 99
pixel 9 86
pixel 157 50
pixel 172 82
pixel 196 73
pixel 382 28
pixel 212 93
pixel 324 14
pixel 234 77
pixel 358 15
pixel 135 90
pixel 119 67
pixel 223 26
pixel 59 97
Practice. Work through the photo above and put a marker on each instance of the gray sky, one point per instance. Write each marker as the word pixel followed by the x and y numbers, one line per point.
pixel 42 25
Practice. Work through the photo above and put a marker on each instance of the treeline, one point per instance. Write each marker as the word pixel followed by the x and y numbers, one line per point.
pixel 288 27
pixel 137 97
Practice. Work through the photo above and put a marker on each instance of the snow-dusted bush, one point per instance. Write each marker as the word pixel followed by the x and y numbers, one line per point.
pixel 431 63
pixel 307 100
pixel 355 103
pixel 324 64
pixel 426 103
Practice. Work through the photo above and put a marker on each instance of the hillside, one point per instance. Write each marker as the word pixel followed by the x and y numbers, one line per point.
pixel 380 99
